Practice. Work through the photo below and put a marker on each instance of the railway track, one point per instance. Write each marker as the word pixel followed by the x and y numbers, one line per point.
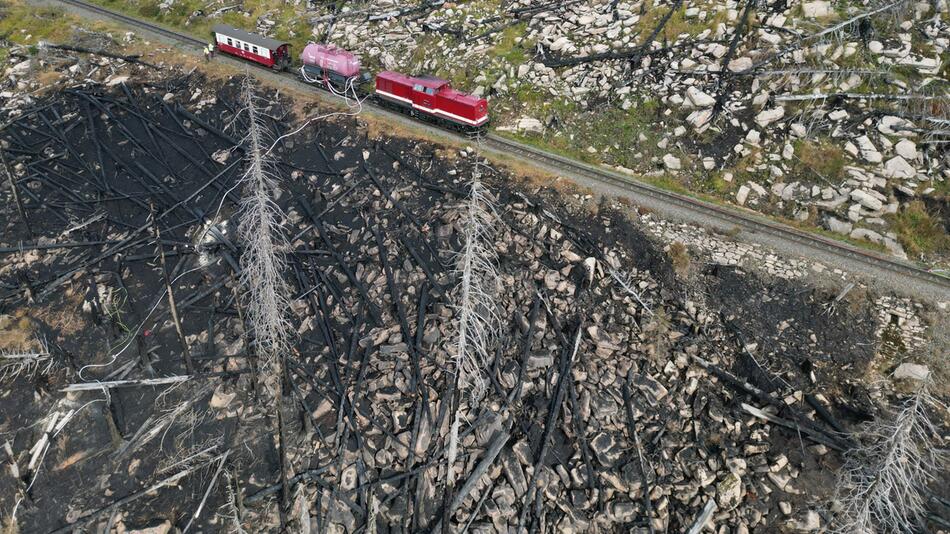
pixel 820 247
pixel 745 221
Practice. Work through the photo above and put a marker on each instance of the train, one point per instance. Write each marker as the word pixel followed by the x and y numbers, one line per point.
pixel 340 72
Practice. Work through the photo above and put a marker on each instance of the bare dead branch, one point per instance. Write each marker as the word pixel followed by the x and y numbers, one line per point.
pixel 882 486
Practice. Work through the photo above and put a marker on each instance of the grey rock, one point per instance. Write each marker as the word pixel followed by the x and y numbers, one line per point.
pixel 768 116
pixel 897 167
pixel 530 125
pixel 838 226
pixel 623 512
pixel 742 194
pixel 867 235
pixel 605 448
pixel 740 64
pixel 699 118
pixel 866 199
pixel 809 522
pixel 540 361
pixel 653 390
pixel 895 248
pixel 672 163
pixel 522 452
pixel 162 528
pixel 891 125
pixel 912 371
pixel 504 497
pixel 729 492
pixel 868 151
pixel 514 473
pixel 698 98
pixel 817 9
pixel 343 516
pixel 906 149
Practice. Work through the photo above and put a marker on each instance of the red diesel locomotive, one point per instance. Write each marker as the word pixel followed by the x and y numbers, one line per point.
pixel 339 71
pixel 433 97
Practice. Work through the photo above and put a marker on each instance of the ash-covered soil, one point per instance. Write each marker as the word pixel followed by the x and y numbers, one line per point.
pixel 611 408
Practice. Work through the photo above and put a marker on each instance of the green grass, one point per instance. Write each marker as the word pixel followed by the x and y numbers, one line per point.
pixel 670 182
pixel 823 158
pixel 919 231
pixel 508 49
pixel 715 184
pixel 426 44
pixel 291 25
pixel 27 25
pixel 678 24
pixel 606 127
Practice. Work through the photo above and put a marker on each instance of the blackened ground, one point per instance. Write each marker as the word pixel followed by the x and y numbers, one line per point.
pixel 368 379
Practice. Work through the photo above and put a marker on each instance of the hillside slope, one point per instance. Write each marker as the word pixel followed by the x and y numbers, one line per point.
pixel 833 115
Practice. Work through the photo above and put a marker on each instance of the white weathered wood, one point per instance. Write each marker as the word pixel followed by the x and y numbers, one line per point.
pixel 92 386
pixel 855 96
pixel 703 517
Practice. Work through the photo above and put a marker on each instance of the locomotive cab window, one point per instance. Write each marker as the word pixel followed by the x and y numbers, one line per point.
pixel 417 87
pixel 430 91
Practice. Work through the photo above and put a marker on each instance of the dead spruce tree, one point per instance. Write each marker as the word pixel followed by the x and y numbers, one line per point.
pixel 882 488
pixel 476 311
pixel 263 261
pixel 262 266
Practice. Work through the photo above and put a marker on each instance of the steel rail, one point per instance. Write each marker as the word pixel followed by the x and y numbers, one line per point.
pixel 132 21
pixel 711 210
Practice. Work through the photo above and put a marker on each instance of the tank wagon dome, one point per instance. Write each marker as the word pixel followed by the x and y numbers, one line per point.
pixel 331 58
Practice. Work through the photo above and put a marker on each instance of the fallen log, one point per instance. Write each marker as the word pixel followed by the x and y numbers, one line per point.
pixel 857 96
pixel 644 480
pixel 134 58
pixel 84 520
pixel 494 448
pixel 815 436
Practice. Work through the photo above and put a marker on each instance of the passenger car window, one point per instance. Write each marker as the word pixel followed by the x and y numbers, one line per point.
pixel 229 42
pixel 246 48
pixel 255 49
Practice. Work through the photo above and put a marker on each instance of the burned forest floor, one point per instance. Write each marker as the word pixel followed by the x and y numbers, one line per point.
pixel 634 382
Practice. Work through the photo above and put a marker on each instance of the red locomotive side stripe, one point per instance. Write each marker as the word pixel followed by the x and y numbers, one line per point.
pixel 434 111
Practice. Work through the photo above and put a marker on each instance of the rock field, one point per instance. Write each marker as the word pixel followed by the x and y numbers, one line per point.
pixel 832 114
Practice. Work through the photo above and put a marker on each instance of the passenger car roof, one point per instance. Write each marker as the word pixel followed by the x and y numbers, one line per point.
pixel 247 37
